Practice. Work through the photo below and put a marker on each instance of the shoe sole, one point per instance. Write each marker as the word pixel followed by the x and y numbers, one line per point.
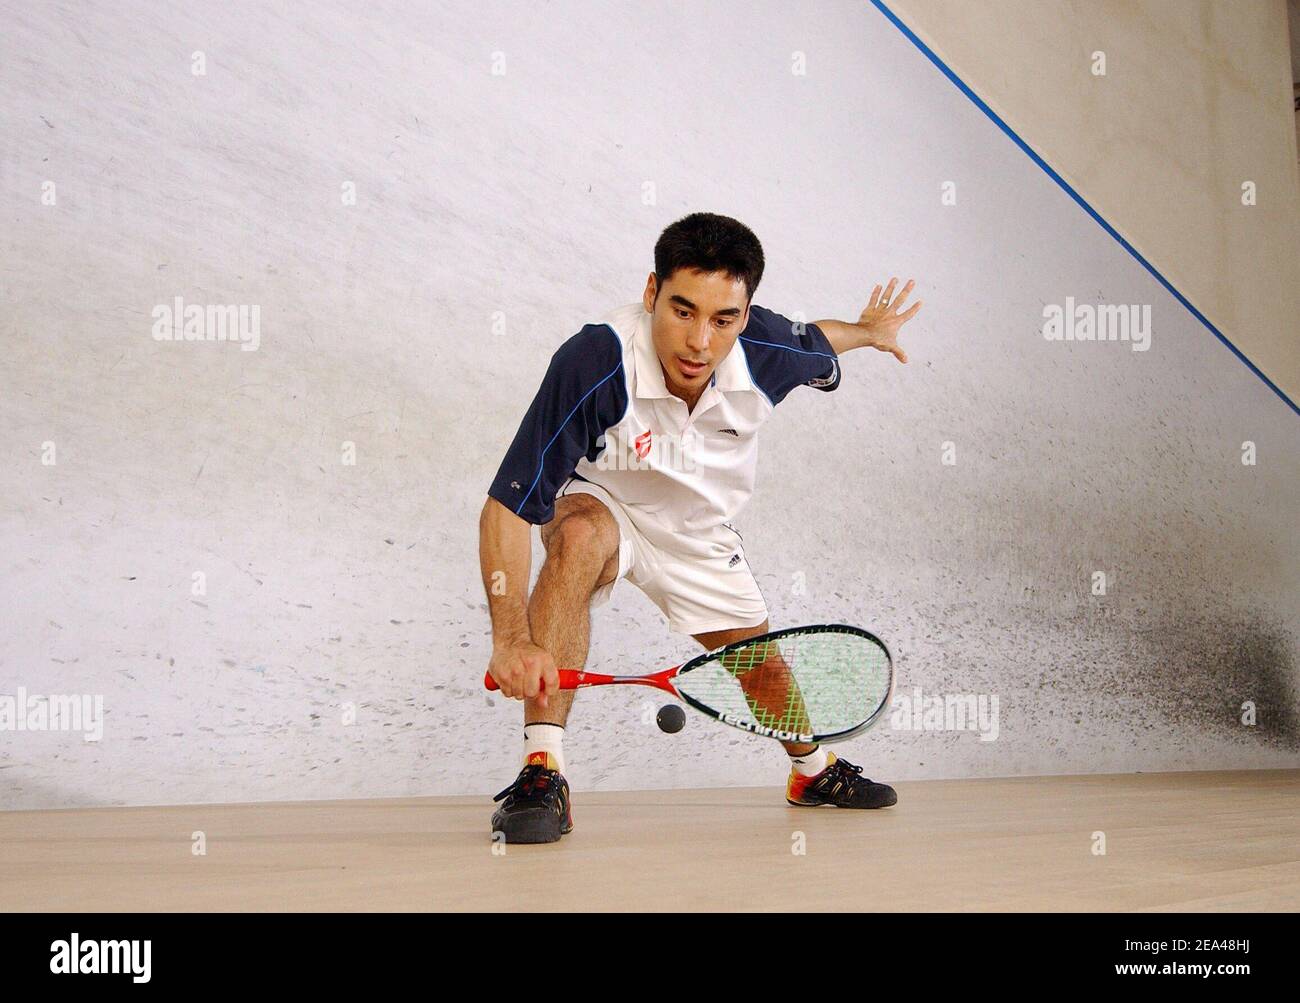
pixel 830 804
pixel 530 827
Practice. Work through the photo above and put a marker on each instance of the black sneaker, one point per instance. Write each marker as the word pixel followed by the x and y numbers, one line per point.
pixel 536 808
pixel 840 784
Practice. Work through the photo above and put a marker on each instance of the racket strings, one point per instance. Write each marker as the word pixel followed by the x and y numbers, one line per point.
pixel 814 682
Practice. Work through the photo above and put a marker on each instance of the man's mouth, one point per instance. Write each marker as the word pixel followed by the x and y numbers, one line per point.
pixel 691 369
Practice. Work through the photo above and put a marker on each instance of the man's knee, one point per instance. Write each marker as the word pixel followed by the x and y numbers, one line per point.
pixel 585 533
pixel 576 533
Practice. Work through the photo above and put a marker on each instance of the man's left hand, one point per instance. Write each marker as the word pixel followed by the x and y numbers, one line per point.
pixel 884 316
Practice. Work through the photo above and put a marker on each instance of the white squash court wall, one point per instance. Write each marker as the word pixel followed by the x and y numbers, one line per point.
pixel 495 215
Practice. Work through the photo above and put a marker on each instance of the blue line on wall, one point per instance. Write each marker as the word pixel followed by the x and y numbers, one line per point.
pixel 1082 202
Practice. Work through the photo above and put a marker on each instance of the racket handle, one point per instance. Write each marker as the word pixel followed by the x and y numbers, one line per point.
pixel 570 679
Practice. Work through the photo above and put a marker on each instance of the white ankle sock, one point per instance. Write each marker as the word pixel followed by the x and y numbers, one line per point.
pixel 811 764
pixel 545 738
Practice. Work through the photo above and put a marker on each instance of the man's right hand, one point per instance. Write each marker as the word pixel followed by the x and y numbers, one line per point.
pixel 524 670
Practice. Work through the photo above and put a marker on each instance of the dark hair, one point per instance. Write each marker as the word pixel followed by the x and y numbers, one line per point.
pixel 711 243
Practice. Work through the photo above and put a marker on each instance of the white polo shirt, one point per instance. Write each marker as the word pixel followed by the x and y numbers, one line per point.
pixel 605 415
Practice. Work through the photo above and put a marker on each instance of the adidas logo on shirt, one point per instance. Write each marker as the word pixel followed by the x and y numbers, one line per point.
pixel 730 431
pixel 735 559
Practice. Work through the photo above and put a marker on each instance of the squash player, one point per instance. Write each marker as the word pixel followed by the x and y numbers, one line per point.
pixel 636 454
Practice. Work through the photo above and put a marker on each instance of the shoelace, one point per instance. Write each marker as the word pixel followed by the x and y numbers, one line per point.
pixel 534 781
pixel 844 771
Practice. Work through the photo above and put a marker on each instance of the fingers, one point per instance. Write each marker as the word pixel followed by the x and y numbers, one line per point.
pixel 528 674
pixel 535 687
pixel 886 301
pixel 540 677
pixel 902 295
pixel 550 676
pixel 534 667
pixel 509 680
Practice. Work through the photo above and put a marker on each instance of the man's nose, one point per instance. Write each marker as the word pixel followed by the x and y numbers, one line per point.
pixel 698 339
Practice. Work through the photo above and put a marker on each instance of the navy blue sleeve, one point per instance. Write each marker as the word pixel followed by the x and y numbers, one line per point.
pixel 783 355
pixel 583 394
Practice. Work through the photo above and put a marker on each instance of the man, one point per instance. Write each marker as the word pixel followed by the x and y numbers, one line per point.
pixel 637 452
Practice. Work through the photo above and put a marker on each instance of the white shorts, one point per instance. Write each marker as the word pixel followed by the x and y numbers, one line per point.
pixel 696 594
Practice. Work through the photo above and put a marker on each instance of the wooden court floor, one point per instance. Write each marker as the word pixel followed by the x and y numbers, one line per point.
pixel 1173 841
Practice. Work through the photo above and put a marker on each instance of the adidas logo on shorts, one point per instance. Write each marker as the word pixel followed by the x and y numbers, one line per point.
pixel 730 431
pixel 735 559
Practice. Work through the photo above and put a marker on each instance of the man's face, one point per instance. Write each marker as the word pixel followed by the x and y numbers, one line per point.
pixel 695 319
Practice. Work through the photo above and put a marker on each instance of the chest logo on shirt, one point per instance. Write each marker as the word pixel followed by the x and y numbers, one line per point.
pixel 642 443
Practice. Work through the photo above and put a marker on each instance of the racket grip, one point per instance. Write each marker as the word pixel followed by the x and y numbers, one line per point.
pixel 569 679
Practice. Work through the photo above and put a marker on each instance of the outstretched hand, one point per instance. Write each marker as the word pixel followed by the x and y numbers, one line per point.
pixel 884 316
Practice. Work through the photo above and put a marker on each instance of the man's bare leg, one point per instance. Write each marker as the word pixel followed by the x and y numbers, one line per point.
pixel 848 789
pixel 581 556
pixel 715 639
